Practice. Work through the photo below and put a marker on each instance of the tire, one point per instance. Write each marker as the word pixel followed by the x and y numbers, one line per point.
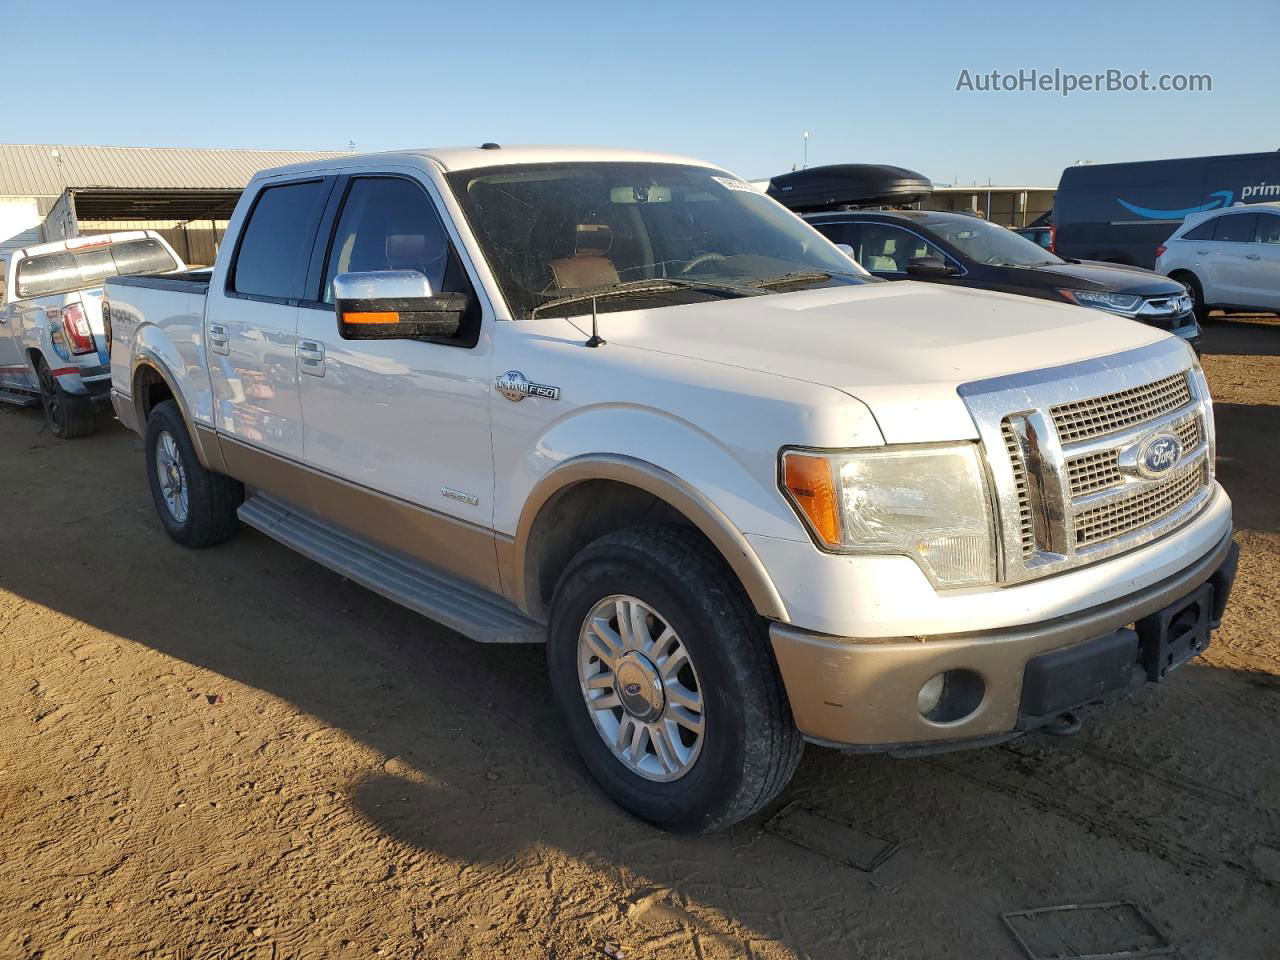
pixel 197 506
pixel 748 748
pixel 1192 284
pixel 68 416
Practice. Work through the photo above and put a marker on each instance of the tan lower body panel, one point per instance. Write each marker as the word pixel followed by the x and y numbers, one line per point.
pixel 458 548
pixel 863 692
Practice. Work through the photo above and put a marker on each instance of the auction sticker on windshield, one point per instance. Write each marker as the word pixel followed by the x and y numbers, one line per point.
pixel 732 184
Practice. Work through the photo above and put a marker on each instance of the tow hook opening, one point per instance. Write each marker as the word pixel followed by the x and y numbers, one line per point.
pixel 1065 724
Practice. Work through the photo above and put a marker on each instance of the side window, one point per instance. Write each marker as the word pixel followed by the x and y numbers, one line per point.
pixel 1268 229
pixel 839 233
pixel 391 224
pixel 1203 231
pixel 275 245
pixel 886 249
pixel 1237 228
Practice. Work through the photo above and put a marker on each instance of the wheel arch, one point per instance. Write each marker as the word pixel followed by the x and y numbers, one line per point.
pixel 547 535
pixel 151 382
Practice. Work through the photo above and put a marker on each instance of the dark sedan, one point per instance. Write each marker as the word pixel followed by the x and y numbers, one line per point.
pixel 967 251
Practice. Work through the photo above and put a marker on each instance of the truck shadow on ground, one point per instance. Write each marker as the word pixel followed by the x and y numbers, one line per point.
pixel 1248 458
pixel 478 769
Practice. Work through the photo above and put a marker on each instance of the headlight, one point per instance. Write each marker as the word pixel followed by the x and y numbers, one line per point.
pixel 1125 303
pixel 930 504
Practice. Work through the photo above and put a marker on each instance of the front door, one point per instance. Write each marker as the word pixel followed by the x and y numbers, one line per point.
pixel 251 324
pixel 13 366
pixel 405 419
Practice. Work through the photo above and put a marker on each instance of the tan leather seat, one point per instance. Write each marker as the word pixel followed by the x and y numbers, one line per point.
pixel 589 266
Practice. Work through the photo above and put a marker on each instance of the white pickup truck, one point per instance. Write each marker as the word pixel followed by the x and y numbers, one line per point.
pixel 53 345
pixel 749 496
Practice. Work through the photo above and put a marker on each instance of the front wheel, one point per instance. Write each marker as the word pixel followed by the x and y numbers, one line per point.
pixel 68 415
pixel 196 505
pixel 665 678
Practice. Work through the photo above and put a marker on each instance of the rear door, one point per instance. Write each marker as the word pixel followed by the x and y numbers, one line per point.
pixel 251 323
pixel 1260 281
pixel 1232 243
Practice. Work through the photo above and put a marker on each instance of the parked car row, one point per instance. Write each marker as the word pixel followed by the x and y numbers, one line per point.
pixel 960 250
pixel 747 494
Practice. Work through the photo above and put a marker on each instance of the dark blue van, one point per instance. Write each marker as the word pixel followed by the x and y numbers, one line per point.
pixel 1120 212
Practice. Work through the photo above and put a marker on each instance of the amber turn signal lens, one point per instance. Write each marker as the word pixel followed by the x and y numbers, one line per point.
pixel 371 318
pixel 809 481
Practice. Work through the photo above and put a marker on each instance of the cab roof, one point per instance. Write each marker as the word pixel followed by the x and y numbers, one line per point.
pixel 470 158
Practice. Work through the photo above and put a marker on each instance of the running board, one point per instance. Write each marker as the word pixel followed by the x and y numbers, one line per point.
pixel 18 399
pixel 470 610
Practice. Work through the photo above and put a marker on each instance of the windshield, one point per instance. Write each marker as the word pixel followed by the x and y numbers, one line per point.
pixel 551 231
pixel 84 267
pixel 990 243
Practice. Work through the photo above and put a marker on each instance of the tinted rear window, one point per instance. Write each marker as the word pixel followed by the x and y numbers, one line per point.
pixel 68 270
pixel 275 245
pixel 1237 228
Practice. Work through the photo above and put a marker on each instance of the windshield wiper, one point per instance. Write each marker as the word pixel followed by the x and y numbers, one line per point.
pixel 802 276
pixel 654 285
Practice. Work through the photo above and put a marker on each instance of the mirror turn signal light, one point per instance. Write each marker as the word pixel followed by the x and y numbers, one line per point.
pixel 809 481
pixel 367 317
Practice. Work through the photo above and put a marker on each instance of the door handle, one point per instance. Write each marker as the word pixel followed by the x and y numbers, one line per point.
pixel 1252 256
pixel 1203 253
pixel 219 342
pixel 311 358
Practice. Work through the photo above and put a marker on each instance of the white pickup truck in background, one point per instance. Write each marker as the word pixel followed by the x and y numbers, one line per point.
pixel 750 496
pixel 54 346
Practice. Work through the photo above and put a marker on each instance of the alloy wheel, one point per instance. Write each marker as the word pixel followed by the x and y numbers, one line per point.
pixel 172 476
pixel 641 688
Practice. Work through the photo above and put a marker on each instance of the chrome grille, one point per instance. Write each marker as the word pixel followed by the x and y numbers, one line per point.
pixel 1026 527
pixel 1084 419
pixel 1152 502
pixel 1070 483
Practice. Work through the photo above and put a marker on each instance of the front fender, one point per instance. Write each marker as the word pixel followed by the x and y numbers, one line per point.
pixel 695 506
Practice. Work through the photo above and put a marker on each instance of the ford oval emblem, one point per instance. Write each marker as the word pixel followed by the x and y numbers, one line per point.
pixel 1160 455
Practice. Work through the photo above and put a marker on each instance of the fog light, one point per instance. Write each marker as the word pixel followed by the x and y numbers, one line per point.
pixel 929 695
pixel 951 696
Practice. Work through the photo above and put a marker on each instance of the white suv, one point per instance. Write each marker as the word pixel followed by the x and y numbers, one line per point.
pixel 1228 259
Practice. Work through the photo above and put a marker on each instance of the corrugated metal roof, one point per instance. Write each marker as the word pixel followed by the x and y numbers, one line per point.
pixel 46 169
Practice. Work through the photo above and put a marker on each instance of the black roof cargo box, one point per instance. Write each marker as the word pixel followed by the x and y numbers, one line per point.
pixel 848 185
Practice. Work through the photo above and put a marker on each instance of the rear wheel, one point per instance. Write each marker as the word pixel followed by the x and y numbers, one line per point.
pixel 68 415
pixel 196 505
pixel 664 676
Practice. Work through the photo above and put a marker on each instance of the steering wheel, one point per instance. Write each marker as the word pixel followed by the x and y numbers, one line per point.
pixel 699 260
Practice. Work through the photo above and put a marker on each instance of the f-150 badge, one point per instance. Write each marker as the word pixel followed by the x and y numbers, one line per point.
pixel 515 388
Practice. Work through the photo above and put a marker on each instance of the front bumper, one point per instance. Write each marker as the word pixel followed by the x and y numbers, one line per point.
pixel 862 694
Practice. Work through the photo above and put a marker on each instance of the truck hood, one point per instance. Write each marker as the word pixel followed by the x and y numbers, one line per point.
pixel 901 348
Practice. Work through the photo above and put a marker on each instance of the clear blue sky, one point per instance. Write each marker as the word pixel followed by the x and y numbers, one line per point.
pixel 737 84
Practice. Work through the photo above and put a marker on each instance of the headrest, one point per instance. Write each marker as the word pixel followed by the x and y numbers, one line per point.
pixel 592 239
pixel 414 248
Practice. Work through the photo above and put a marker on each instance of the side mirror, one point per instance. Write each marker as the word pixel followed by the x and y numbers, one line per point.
pixel 845 249
pixel 394 305
pixel 930 267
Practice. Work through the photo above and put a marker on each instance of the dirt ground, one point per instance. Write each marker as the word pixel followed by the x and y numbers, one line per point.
pixel 239 754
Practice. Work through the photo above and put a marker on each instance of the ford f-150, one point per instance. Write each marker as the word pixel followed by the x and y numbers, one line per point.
pixel 748 495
